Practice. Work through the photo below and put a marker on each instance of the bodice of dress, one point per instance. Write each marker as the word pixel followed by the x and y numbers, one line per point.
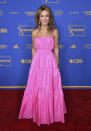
pixel 44 43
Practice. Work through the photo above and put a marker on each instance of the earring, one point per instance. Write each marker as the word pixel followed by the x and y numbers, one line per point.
pixel 39 22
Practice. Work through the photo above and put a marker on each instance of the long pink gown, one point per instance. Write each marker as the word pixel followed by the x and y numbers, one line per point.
pixel 43 99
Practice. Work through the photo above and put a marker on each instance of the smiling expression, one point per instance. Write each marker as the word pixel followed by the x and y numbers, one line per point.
pixel 44 17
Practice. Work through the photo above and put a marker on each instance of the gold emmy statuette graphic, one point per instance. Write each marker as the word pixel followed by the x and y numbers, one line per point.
pixel 73 46
pixel 50 1
pixel 16 46
pixel 25 30
pixel 76 30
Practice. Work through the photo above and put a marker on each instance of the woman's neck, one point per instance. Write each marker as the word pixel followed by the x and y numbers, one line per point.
pixel 43 28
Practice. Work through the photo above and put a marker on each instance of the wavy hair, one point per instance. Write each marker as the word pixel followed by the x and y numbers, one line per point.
pixel 51 24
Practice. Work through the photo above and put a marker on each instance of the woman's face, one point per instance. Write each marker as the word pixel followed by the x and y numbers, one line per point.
pixel 44 17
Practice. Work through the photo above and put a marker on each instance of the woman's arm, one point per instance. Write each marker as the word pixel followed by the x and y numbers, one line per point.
pixel 33 47
pixel 56 47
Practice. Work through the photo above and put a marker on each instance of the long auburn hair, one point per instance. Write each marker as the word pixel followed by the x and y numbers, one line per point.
pixel 51 24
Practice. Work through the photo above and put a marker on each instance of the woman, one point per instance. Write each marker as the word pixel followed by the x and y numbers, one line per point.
pixel 43 98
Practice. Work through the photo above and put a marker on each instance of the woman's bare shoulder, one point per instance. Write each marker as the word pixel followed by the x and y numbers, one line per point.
pixel 55 31
pixel 34 31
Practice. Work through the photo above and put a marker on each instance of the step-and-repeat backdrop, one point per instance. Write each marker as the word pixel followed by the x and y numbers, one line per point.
pixel 73 20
